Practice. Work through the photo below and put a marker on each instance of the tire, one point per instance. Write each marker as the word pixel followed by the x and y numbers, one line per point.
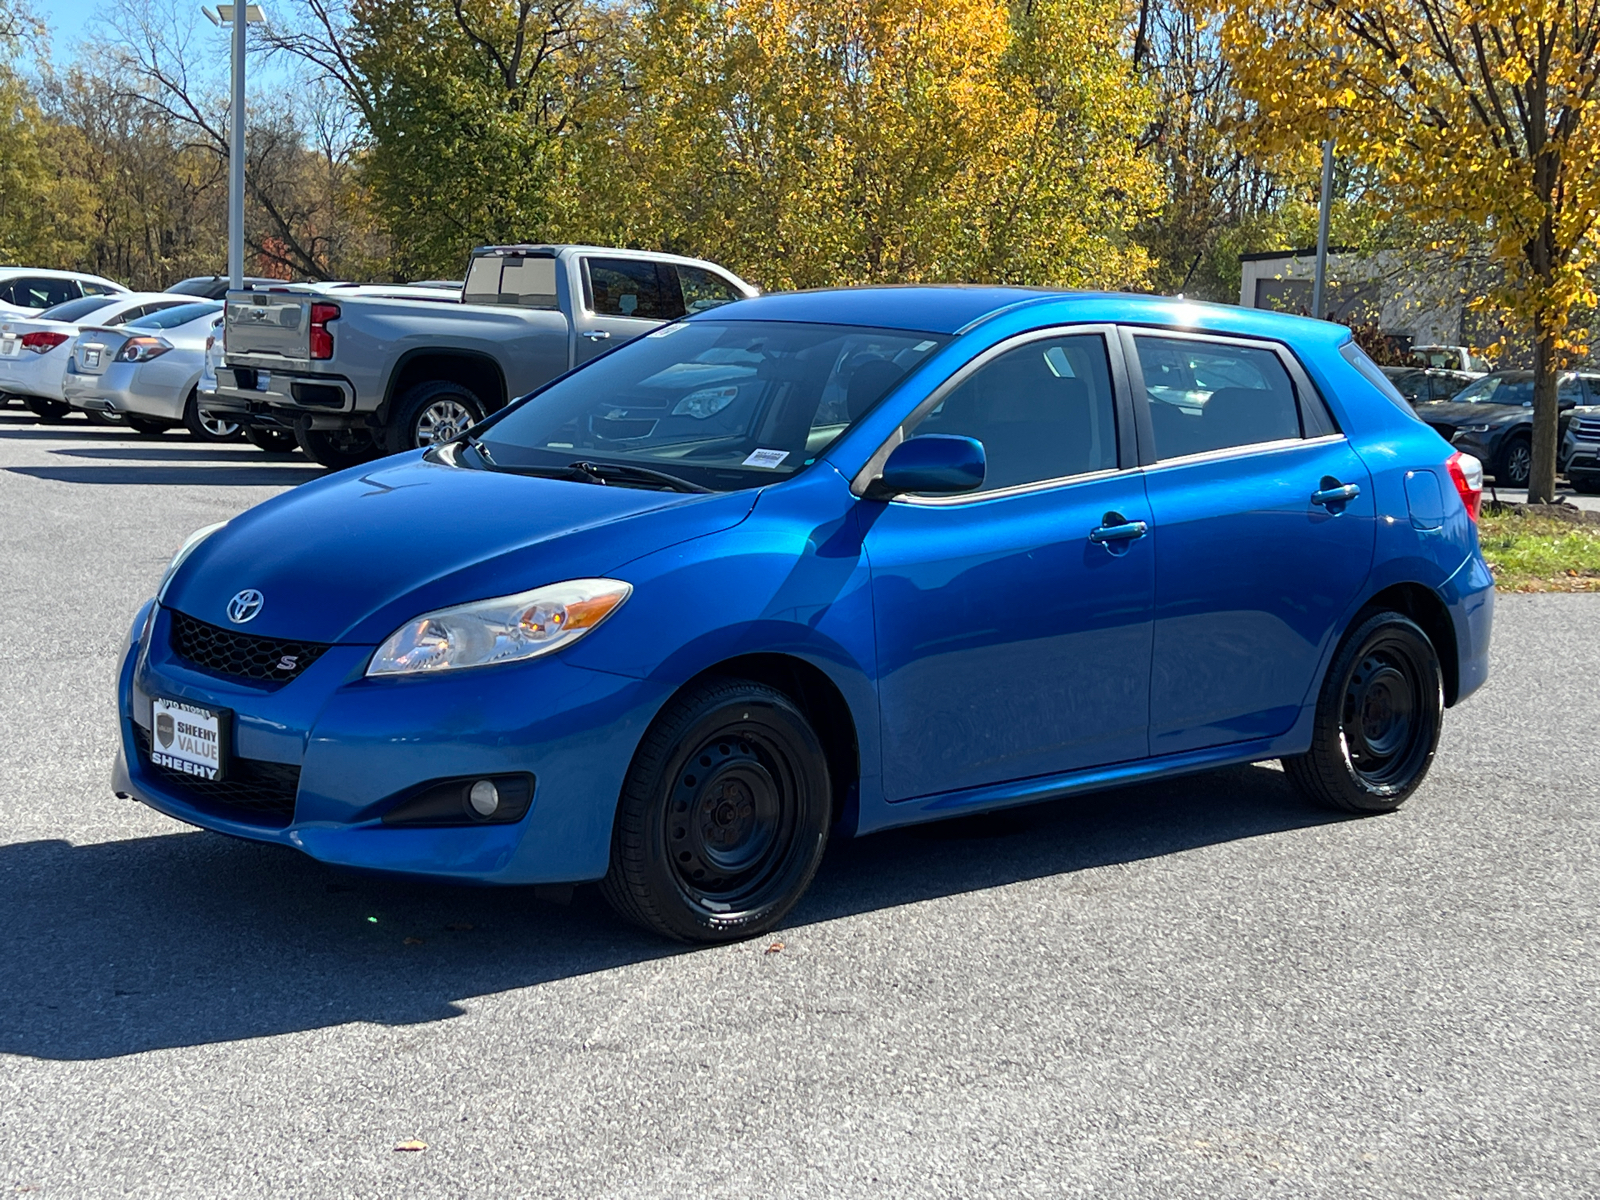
pixel 146 427
pixel 203 426
pixel 270 440
pixel 1585 485
pixel 723 817
pixel 46 410
pixel 1515 463
pixel 114 419
pixel 337 449
pixel 1386 666
pixel 431 413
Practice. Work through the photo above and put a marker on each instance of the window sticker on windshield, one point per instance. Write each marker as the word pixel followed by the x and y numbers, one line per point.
pixel 921 346
pixel 666 330
pixel 766 458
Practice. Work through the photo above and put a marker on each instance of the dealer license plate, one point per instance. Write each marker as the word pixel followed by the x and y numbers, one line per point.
pixel 8 347
pixel 91 358
pixel 187 738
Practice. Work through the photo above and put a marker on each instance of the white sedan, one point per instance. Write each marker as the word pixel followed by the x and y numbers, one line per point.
pixel 34 349
pixel 148 370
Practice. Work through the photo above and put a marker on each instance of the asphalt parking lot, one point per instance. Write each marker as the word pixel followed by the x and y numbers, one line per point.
pixel 1203 988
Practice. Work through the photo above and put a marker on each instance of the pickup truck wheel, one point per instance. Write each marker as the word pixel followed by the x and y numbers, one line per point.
pixel 273 441
pixel 202 425
pixel 431 413
pixel 337 449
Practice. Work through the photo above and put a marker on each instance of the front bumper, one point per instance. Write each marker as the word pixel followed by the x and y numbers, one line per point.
pixel 359 744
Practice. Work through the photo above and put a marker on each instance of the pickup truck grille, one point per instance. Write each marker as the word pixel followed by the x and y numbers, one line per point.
pixel 240 655
pixel 1587 429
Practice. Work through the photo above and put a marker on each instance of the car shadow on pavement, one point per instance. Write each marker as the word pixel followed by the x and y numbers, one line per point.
pixel 192 938
pixel 216 475
pixel 233 453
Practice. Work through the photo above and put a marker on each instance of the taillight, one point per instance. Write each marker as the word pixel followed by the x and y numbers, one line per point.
pixel 1466 473
pixel 321 337
pixel 142 349
pixel 42 343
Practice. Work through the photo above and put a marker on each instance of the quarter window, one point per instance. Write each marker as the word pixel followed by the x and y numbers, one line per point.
pixel 1044 410
pixel 1212 395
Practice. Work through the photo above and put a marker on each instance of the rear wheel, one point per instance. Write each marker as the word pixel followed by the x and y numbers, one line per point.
pixel 273 441
pixel 1516 463
pixel 337 449
pixel 203 425
pixel 1378 719
pixel 431 413
pixel 146 427
pixel 46 410
pixel 723 817
pixel 114 419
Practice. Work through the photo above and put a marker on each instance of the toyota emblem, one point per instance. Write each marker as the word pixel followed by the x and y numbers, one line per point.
pixel 245 606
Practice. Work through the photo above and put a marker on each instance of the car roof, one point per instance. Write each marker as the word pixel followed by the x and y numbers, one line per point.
pixel 49 273
pixel 955 308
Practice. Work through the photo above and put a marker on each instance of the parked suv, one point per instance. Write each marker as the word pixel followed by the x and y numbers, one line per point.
pixel 354 376
pixel 1492 419
pixel 1580 450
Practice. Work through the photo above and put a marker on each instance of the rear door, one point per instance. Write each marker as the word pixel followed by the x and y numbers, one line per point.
pixel 623 298
pixel 1264 526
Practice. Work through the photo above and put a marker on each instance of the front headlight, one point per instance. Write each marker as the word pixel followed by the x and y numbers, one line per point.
pixel 189 543
pixel 507 629
pixel 1473 429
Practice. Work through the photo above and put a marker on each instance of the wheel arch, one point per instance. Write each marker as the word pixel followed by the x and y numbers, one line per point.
pixel 821 701
pixel 1423 605
pixel 472 369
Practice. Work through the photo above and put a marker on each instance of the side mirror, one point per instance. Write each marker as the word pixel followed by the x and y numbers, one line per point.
pixel 940 463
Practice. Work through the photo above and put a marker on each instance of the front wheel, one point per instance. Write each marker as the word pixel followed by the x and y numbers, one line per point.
pixel 1378 720
pixel 202 425
pixel 1516 463
pixel 337 449
pixel 723 817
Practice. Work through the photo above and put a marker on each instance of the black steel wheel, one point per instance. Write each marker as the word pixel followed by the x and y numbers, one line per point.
pixel 1378 720
pixel 1516 463
pixel 723 816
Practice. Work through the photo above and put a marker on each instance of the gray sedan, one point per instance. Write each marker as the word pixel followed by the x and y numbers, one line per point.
pixel 148 369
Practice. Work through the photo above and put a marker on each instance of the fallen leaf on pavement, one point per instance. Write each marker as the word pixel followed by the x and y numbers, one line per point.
pixel 775 947
pixel 409 1146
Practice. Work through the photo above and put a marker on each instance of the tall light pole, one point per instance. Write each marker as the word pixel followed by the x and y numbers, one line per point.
pixel 224 15
pixel 1320 278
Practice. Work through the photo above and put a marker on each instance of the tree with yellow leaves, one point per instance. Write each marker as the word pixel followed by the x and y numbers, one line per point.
pixel 1482 119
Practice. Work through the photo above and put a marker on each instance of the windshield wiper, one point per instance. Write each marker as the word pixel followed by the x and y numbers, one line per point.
pixel 605 472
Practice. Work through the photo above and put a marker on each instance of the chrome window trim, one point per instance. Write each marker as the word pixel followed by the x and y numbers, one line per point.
pixel 1020 489
pixel 1121 405
pixel 1226 452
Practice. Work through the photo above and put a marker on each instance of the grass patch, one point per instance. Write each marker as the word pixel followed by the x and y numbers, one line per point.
pixel 1532 552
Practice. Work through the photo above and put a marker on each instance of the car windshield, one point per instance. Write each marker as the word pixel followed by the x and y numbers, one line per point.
pixel 720 404
pixel 1512 388
pixel 171 318
pixel 75 310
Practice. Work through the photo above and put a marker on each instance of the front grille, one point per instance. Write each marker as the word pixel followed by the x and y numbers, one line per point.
pixel 240 655
pixel 1587 429
pixel 252 791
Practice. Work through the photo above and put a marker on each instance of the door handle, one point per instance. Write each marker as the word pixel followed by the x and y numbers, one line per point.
pixel 1334 492
pixel 596 335
pixel 1118 529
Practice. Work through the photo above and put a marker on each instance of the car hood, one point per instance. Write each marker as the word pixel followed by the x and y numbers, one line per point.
pixel 1450 413
pixel 351 557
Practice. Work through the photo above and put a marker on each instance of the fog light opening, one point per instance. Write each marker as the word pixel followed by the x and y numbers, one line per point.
pixel 484 798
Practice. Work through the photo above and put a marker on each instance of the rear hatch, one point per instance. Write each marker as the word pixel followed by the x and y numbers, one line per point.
pixel 271 326
pixel 96 349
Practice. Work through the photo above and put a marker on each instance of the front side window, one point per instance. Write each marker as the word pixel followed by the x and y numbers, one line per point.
pixel 1509 387
pixel 91 288
pixel 1207 396
pixel 704 289
pixel 1044 410
pixel 36 292
pixel 625 287
pixel 724 405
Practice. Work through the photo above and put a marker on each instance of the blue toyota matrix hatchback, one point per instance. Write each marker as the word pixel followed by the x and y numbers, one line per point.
pixel 816 563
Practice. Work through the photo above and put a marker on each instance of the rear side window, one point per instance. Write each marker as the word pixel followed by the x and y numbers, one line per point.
pixel 1208 396
pixel 522 280
pixel 622 287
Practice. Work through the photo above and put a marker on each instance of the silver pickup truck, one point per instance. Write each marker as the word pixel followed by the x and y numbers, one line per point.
pixel 351 377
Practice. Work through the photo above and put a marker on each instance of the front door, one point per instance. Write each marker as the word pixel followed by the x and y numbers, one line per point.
pixel 1011 642
pixel 623 298
pixel 1264 533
